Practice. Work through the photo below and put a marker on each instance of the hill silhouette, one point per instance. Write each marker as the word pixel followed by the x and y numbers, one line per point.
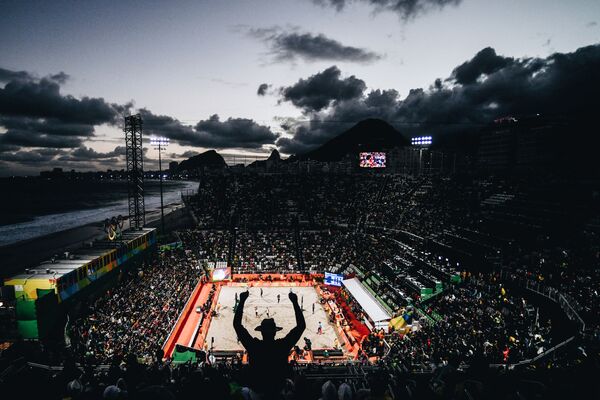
pixel 209 158
pixel 274 158
pixel 367 135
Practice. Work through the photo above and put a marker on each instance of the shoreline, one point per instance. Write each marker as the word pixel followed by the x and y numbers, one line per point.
pixel 44 214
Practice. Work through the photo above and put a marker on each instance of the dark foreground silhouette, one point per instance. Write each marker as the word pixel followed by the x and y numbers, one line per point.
pixel 268 358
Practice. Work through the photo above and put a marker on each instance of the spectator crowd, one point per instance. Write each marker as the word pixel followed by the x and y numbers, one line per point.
pixel 406 239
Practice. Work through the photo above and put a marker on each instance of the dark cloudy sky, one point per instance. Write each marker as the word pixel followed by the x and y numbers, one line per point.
pixel 247 76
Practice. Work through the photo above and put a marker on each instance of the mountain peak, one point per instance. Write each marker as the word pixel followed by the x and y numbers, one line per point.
pixel 371 134
pixel 274 156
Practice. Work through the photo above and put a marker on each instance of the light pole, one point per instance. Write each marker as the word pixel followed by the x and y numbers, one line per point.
pixel 160 143
pixel 422 142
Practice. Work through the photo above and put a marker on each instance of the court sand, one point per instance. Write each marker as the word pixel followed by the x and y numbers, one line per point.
pixel 221 326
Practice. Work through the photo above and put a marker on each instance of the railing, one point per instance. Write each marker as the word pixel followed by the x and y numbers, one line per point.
pixel 354 369
pixel 183 310
pixel 536 358
pixel 571 312
pixel 388 348
pixel 423 316
pixel 551 294
pixel 553 349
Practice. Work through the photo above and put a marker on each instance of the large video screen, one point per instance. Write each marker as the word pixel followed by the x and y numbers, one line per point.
pixel 372 160
pixel 220 274
pixel 333 279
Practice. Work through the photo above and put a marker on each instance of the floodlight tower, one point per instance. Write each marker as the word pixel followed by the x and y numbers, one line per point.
pixel 422 142
pixel 160 143
pixel 135 171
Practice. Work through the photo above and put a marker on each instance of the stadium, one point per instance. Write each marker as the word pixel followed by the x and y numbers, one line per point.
pixel 397 276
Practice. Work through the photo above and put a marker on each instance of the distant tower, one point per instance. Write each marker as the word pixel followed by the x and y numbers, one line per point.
pixel 135 171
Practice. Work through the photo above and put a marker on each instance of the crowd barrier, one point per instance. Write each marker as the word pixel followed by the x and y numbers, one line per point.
pixel 555 296
pixel 536 358
pixel 355 369
pixel 549 293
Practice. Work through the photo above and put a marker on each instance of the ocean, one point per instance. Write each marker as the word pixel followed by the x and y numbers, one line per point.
pixel 34 207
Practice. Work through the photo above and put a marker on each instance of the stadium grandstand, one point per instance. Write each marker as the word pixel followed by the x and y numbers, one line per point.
pixel 440 286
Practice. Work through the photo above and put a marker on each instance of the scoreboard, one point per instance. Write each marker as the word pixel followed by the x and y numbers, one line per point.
pixel 372 159
pixel 333 279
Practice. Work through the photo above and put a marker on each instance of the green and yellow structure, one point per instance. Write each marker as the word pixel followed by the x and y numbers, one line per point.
pixel 41 292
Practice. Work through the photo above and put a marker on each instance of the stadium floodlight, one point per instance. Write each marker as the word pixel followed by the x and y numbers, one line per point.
pixel 421 140
pixel 160 143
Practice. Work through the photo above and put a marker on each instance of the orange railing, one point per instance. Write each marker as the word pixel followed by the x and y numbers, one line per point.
pixel 181 321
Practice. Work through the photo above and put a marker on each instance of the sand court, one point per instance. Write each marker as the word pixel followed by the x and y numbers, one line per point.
pixel 266 306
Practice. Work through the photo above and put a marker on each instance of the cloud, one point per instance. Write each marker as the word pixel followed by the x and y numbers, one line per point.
pixel 121 150
pixel 34 113
pixel 26 139
pixel 48 126
pixel 210 133
pixel 323 89
pixel 288 46
pixel 484 88
pixel 77 157
pixel 185 154
pixel 6 147
pixel 60 77
pixel 33 132
pixel 262 89
pixel 88 154
pixel 36 117
pixel 322 126
pixel 485 62
pixel 306 136
pixel 36 156
pixel 164 125
pixel 8 75
pixel 405 9
pixel 42 99
pixel 233 132
pixel 42 125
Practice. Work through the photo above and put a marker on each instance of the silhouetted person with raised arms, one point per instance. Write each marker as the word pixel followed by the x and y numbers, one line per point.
pixel 268 358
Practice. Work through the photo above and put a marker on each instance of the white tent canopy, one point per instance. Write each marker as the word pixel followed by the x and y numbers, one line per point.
pixel 369 304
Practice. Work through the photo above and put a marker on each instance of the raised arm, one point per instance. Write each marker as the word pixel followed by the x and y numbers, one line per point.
pixel 294 335
pixel 242 333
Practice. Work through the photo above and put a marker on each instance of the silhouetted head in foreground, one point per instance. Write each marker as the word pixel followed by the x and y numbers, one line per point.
pixel 268 329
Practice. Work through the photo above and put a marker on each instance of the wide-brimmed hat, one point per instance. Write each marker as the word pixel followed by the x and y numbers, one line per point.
pixel 268 325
